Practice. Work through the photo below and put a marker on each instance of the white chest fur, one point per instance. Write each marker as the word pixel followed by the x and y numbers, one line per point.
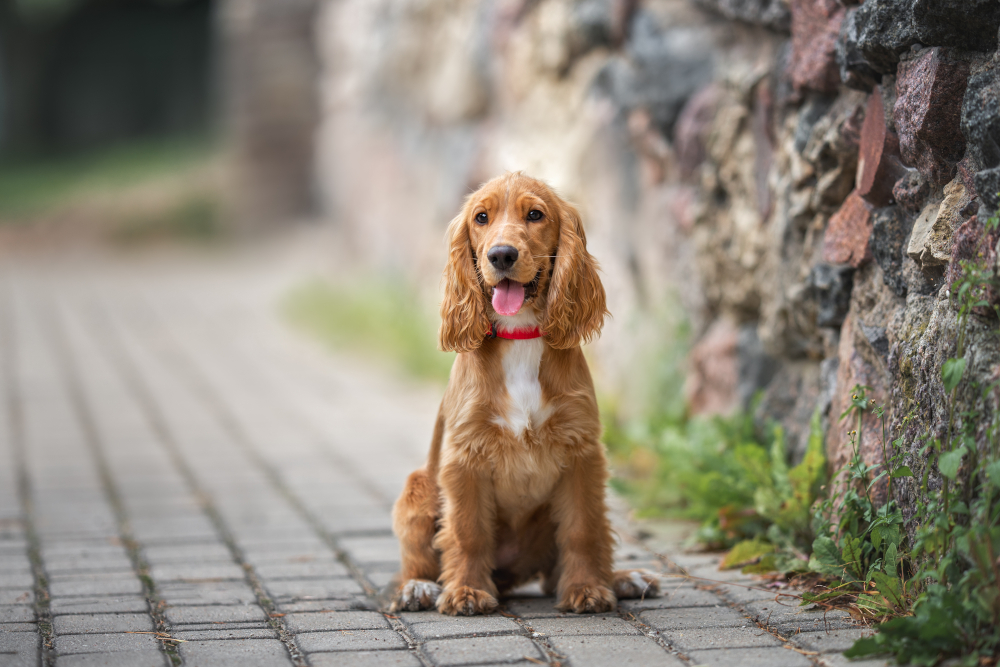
pixel 521 361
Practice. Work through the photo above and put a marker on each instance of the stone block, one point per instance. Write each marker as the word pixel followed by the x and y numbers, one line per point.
pixel 350 640
pixel 76 624
pixel 911 191
pixel 222 592
pixel 832 641
pixel 890 235
pixel 604 651
pixel 16 580
pixel 196 570
pixel 832 286
pixel 694 617
pixel 225 634
pixel 673 599
pixel 855 72
pixel 332 588
pixel 750 657
pixel 345 620
pixel 16 596
pixel 95 584
pixel 215 614
pixel 931 238
pixel 815 30
pixel 19 649
pixel 694 639
pixel 319 568
pixel 481 650
pixel 365 659
pixel 848 232
pixel 104 643
pixel 16 614
pixel 772 14
pixel 981 118
pixel 161 554
pixel 583 625
pixel 444 627
pixel 927 114
pixel 965 24
pixel 228 653
pixel 879 31
pixel 788 618
pixel 99 605
pixel 878 156
pixel 138 658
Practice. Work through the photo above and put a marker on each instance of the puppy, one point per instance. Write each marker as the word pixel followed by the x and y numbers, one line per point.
pixel 514 483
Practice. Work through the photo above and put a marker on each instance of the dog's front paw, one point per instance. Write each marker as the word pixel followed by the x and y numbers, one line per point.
pixel 415 595
pixel 636 584
pixel 587 599
pixel 466 601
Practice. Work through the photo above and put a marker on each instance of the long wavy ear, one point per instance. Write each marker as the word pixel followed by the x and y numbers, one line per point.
pixel 464 322
pixel 575 304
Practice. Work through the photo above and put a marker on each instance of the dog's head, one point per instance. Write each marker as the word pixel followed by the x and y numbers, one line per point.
pixel 515 247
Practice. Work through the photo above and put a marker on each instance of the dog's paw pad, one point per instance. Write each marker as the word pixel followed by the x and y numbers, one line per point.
pixel 466 601
pixel 587 599
pixel 415 595
pixel 629 584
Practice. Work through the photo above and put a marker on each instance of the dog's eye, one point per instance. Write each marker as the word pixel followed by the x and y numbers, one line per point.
pixel 482 218
pixel 534 215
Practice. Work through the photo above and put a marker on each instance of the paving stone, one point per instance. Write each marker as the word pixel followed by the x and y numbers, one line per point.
pixel 604 651
pixel 16 580
pixel 692 639
pixel 284 570
pixel 673 599
pixel 104 643
pixel 16 614
pixel 314 588
pixel 196 571
pixel 99 605
pixel 829 642
pixel 93 564
pixel 94 623
pixel 223 592
pixel 742 594
pixel 583 625
pixel 214 614
pixel 18 627
pixel 185 553
pixel 694 617
pixel 365 659
pixel 749 657
pixel 788 619
pixel 146 658
pixel 16 596
pixel 235 653
pixel 372 549
pixel 463 626
pixel 350 640
pixel 481 650
pixel 20 648
pixel 347 620
pixel 538 608
pixel 225 633
pixel 838 660
pixel 357 603
pixel 94 584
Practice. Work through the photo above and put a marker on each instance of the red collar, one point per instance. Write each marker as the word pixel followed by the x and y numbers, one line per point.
pixel 514 334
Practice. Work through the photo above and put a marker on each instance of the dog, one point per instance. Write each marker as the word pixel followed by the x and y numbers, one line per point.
pixel 514 484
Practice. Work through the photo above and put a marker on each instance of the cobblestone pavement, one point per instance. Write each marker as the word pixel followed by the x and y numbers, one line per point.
pixel 185 482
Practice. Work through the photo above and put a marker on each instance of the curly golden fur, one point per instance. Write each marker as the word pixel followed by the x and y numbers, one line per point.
pixel 514 483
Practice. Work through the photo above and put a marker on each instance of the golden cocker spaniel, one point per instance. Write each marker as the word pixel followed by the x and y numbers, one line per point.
pixel 513 487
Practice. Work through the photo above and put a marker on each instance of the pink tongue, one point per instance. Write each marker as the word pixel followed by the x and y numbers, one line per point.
pixel 508 296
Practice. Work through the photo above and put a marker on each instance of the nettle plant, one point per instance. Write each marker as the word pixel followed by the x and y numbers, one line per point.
pixel 938 597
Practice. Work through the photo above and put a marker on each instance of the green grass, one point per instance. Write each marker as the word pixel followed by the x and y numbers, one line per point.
pixel 383 319
pixel 32 187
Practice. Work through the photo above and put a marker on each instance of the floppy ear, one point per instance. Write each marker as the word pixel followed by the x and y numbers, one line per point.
pixel 464 322
pixel 575 304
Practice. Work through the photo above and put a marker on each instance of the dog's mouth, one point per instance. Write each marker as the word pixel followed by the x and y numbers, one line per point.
pixel 509 295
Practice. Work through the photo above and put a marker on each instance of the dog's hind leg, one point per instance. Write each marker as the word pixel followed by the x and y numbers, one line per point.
pixel 414 519
pixel 631 584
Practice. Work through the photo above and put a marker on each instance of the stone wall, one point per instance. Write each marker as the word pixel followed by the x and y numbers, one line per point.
pixel 802 177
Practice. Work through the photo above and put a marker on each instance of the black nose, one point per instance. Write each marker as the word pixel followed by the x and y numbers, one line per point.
pixel 502 257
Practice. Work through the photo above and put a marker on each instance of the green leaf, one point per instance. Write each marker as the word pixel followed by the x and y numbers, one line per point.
pixel 993 472
pixel 872 604
pixel 951 373
pixel 866 646
pixel 891 559
pixel 890 587
pixel 950 462
pixel 810 598
pixel 901 471
pixel 853 557
pixel 745 553
pixel 876 537
pixel 825 558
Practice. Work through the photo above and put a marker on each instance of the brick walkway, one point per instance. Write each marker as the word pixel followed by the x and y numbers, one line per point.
pixel 185 482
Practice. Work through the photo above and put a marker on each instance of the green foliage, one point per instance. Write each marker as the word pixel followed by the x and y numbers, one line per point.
pixel 381 319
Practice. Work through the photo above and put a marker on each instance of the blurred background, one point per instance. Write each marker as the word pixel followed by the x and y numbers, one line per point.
pixel 708 144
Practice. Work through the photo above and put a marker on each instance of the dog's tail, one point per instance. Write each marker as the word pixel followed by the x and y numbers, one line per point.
pixel 434 457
